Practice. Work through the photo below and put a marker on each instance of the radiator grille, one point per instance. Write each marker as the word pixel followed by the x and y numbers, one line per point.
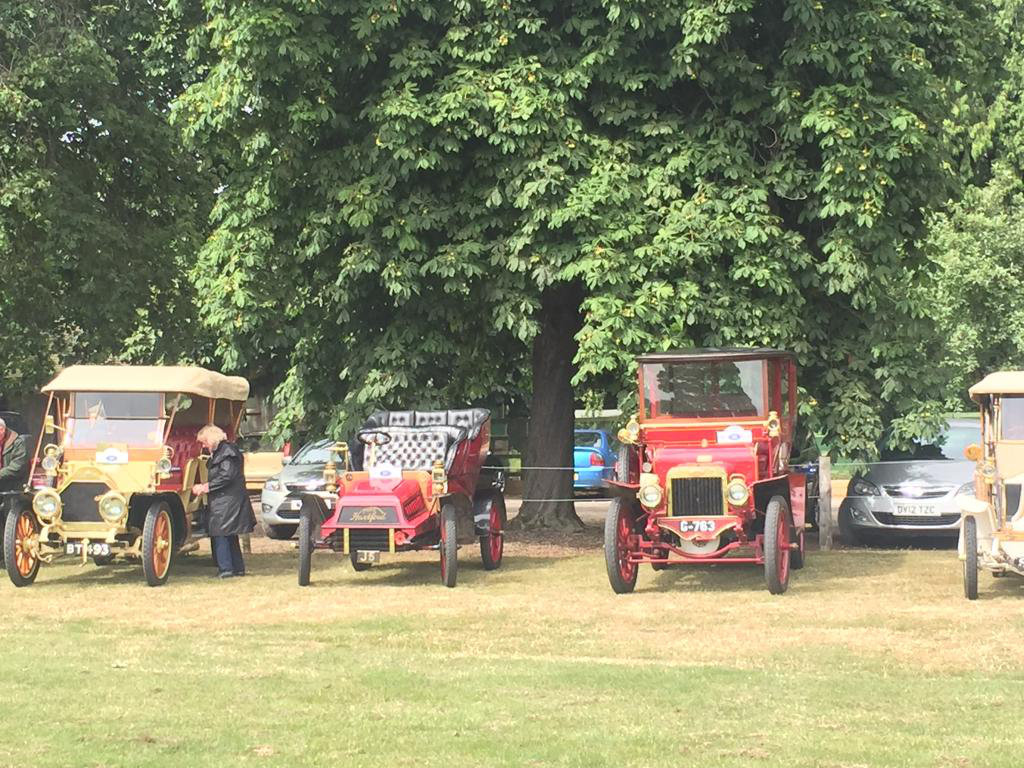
pixel 935 492
pixel 696 496
pixel 368 539
pixel 78 502
pixel 886 518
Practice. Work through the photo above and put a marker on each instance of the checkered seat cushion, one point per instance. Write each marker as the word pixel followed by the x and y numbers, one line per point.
pixel 416 448
pixel 419 438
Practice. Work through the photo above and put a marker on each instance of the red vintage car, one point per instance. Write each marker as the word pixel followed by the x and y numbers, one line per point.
pixel 418 485
pixel 703 475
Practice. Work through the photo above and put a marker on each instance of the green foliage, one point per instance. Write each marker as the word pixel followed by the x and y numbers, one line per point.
pixel 975 287
pixel 404 178
pixel 99 207
pixel 978 248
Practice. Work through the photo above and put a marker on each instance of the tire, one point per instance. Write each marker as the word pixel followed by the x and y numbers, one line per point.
pixel 776 546
pixel 307 530
pixel 796 556
pixel 157 544
pixel 358 567
pixel 492 546
pixel 618 525
pixel 971 558
pixel 22 566
pixel 280 532
pixel 847 533
pixel 449 547
pixel 622 465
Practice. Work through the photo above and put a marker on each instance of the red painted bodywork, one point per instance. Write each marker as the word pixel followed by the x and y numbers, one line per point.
pixel 692 444
pixel 417 508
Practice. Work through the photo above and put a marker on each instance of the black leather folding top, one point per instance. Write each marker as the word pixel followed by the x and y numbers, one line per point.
pixel 419 438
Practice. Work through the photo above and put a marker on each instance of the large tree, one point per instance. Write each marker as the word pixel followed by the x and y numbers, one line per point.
pixel 432 201
pixel 101 210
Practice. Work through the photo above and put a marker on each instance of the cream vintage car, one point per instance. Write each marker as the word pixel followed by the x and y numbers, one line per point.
pixel 992 519
pixel 114 468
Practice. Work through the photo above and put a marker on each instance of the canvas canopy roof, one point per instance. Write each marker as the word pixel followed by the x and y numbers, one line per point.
pixel 999 383
pixel 189 380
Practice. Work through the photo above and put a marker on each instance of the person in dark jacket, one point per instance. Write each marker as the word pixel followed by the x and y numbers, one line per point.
pixel 14 468
pixel 13 459
pixel 230 513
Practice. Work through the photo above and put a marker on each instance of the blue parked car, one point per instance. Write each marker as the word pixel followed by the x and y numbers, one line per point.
pixel 593 459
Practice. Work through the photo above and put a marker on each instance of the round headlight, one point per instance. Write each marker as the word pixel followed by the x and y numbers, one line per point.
pixel 163 466
pixel 737 492
pixel 46 504
pixel 650 495
pixel 113 507
pixel 49 463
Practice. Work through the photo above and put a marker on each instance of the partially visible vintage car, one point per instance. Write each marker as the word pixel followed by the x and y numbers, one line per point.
pixel 992 518
pixel 418 485
pixel 113 477
pixel 262 460
pixel 704 474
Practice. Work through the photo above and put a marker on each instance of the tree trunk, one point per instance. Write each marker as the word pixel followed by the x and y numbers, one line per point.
pixel 548 492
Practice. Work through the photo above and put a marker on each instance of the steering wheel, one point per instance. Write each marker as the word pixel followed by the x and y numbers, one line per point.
pixel 373 437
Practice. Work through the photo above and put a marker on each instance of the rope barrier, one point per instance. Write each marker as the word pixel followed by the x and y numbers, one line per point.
pixel 791 466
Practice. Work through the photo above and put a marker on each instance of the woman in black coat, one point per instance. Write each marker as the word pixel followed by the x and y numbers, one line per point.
pixel 230 513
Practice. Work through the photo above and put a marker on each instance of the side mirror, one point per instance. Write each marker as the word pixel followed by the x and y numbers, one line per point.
pixel 973 452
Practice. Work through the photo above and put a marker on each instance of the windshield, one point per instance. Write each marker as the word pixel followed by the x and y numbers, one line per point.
pixel 949 445
pixel 1011 418
pixel 704 389
pixel 957 438
pixel 101 418
pixel 318 452
pixel 587 439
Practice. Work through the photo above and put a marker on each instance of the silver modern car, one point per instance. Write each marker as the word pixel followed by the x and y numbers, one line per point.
pixel 912 494
pixel 302 472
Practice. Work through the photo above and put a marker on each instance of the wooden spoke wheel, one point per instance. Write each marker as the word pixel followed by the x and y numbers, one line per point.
pixel 971 558
pixel 21 546
pixel 776 546
pixel 157 544
pixel 618 527
pixel 449 547
pixel 492 546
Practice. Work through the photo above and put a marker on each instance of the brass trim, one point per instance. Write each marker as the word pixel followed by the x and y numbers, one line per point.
pixel 391 540
pixel 688 470
pixel 344 537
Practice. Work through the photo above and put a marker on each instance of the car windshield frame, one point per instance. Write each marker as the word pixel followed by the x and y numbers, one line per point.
pixel 742 378
pixel 134 419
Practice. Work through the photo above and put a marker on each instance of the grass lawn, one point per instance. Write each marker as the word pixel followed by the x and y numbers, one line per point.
pixel 873 658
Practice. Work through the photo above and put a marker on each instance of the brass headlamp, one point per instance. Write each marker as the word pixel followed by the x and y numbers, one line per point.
pixel 50 460
pixel 773 424
pixel 630 434
pixel 163 464
pixel 46 504
pixel 113 507
pixel 331 468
